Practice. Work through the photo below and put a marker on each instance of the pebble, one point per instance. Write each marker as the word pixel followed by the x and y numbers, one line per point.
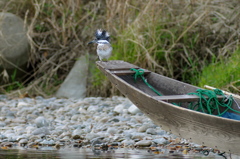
pixel 2 124
pixel 23 141
pixel 143 143
pixel 128 142
pixel 161 141
pixel 22 104
pixel 91 122
pixel 41 122
pixel 119 108
pixel 41 131
pixel 133 110
pixel 46 142
pixel 151 131
pixel 112 131
pixel 143 128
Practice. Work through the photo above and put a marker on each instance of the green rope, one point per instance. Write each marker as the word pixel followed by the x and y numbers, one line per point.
pixel 208 101
pixel 140 73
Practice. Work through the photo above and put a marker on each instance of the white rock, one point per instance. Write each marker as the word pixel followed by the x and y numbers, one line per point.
pixel 2 118
pixel 111 130
pixel 161 132
pixel 119 108
pixel 91 136
pixel 151 131
pixel 133 109
pixel 10 135
pixel 143 128
pixel 46 142
pixel 18 120
pixel 66 133
pixel 161 141
pixel 19 130
pixel 13 139
pixel 143 143
pixel 23 141
pixel 56 132
pixel 82 110
pixel 138 135
pixel 30 129
pixel 93 108
pixel 2 136
pixel 104 119
pixel 31 117
pixel 14 43
pixel 74 85
pixel 42 130
pixel 2 124
pixel 41 122
pixel 77 132
pixel 22 104
pixel 128 142
pixel 75 117
pixel 66 138
pixel 125 111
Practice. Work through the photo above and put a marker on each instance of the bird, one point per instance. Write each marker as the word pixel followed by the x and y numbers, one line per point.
pixel 104 48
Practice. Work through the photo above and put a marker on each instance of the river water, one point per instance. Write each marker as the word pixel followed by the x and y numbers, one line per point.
pixel 87 153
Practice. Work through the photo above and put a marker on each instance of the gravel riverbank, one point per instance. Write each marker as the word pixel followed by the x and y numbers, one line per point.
pixel 98 123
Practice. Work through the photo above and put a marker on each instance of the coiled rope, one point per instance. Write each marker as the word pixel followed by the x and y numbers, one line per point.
pixel 210 104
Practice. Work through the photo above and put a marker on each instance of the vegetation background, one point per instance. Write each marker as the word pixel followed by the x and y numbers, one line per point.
pixel 195 41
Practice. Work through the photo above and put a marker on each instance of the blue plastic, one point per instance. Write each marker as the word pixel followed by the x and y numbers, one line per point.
pixel 231 116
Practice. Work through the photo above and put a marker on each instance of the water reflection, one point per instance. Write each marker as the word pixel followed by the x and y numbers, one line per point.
pixel 87 153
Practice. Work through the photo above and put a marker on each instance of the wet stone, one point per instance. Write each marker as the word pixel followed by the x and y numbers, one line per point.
pixel 8 144
pixel 151 131
pixel 161 141
pixel 41 122
pixel 133 109
pixel 112 131
pixel 128 142
pixel 143 128
pixel 2 124
pixel 23 142
pixel 47 142
pixel 39 131
pixel 143 143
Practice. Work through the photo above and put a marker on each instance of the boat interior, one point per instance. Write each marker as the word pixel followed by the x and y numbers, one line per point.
pixel 160 87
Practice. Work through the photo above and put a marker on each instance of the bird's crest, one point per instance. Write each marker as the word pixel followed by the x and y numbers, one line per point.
pixel 102 35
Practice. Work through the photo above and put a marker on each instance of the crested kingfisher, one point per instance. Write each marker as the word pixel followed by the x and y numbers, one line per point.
pixel 104 48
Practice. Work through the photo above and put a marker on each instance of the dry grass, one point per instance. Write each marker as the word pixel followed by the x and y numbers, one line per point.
pixel 175 38
pixel 57 34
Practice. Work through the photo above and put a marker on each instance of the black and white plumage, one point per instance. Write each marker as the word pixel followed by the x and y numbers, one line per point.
pixel 104 48
pixel 102 35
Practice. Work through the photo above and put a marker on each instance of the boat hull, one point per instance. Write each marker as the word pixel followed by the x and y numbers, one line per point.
pixel 212 131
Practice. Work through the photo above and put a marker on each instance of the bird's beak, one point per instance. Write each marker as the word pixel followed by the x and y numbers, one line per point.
pixel 94 41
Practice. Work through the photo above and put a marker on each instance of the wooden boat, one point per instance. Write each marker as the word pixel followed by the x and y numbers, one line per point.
pixel 201 128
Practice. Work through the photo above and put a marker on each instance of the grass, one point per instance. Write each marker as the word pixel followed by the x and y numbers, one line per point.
pixel 14 83
pixel 174 38
pixel 223 74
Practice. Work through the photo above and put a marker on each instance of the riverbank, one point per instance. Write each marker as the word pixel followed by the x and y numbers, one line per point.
pixel 98 124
